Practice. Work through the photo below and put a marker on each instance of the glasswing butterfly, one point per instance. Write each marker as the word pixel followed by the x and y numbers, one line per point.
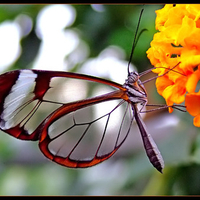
pixel 69 130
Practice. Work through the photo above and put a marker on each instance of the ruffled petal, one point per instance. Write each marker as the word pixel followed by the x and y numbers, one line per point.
pixel 196 121
pixel 192 102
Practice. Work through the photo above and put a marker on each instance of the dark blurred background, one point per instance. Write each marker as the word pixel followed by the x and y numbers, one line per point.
pixel 93 39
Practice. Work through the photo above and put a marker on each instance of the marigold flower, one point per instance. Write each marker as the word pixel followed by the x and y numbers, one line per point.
pixel 175 54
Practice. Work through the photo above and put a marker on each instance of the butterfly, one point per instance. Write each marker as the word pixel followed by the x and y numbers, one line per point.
pixel 69 130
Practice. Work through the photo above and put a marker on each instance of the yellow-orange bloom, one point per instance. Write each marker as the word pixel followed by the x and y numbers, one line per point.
pixel 177 46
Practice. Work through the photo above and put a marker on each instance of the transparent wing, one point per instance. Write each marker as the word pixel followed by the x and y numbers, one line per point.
pixel 27 97
pixel 86 136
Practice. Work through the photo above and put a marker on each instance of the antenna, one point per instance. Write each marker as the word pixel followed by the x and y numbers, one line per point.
pixel 135 40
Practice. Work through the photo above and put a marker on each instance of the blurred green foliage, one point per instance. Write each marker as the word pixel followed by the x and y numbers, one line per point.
pixel 129 174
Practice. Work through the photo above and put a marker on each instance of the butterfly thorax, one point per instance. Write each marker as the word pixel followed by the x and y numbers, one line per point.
pixel 135 89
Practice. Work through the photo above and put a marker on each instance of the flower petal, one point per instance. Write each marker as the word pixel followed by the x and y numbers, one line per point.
pixel 162 15
pixel 192 81
pixel 162 83
pixel 196 121
pixel 192 102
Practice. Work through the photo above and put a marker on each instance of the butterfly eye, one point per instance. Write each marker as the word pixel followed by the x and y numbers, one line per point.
pixel 133 77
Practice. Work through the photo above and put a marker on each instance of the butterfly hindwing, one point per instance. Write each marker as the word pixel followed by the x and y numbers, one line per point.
pixel 88 135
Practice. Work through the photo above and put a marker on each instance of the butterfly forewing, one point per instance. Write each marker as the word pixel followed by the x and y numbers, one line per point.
pixel 29 96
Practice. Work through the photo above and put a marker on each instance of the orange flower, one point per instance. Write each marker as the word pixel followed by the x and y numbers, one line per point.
pixel 177 46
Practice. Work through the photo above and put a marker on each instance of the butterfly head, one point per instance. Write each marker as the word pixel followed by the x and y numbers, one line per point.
pixel 133 77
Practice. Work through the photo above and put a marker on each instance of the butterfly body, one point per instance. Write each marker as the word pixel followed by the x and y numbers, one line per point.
pixel 137 95
pixel 135 89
